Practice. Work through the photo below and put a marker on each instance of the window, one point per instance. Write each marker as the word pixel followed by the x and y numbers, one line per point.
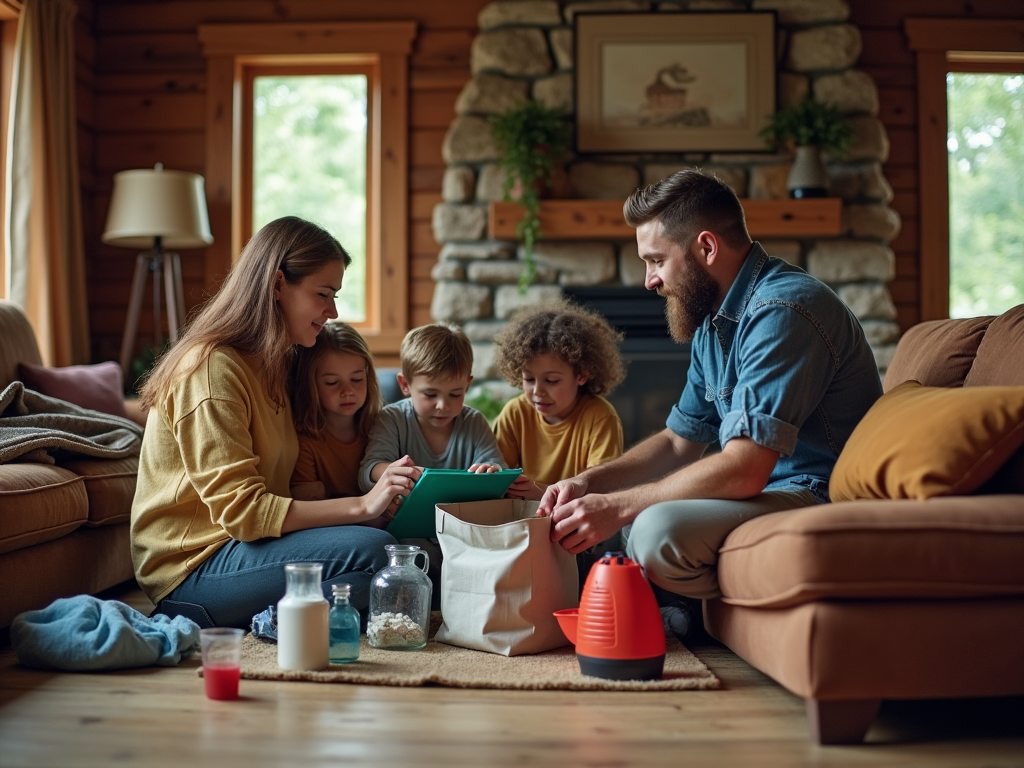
pixel 306 149
pixel 943 46
pixel 985 142
pixel 237 55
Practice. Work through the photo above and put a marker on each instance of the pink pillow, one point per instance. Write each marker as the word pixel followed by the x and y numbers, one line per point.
pixel 99 387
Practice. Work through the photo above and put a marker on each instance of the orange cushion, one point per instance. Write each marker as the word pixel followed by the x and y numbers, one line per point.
pixel 917 442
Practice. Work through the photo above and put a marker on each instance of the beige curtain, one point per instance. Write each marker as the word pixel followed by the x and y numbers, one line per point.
pixel 43 218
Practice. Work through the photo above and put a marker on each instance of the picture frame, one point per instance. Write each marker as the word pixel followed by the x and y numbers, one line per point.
pixel 673 82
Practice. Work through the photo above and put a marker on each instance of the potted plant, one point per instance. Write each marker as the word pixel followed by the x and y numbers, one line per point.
pixel 810 126
pixel 533 140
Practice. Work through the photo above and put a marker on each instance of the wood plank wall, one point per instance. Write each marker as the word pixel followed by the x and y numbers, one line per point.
pixel 890 62
pixel 142 92
pixel 143 99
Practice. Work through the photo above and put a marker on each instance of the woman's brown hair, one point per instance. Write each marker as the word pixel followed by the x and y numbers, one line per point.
pixel 244 314
pixel 306 407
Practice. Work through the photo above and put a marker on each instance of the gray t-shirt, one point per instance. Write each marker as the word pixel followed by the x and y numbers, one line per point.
pixel 397 433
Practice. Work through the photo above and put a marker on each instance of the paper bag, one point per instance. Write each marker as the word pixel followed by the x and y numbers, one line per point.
pixel 502 577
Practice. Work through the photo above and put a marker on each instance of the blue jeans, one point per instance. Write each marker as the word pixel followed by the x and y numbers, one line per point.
pixel 243 578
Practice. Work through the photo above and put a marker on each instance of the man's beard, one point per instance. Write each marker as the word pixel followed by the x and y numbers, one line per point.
pixel 687 304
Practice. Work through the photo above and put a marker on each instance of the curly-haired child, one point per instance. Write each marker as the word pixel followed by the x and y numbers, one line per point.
pixel 565 357
pixel 335 401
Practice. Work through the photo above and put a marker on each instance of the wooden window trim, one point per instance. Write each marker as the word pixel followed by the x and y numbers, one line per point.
pixel 941 46
pixel 228 49
pixel 8 37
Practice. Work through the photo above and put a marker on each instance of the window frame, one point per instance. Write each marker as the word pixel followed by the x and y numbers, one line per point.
pixel 231 48
pixel 942 46
pixel 365 66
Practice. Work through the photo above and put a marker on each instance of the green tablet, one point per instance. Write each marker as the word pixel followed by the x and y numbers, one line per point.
pixel 415 517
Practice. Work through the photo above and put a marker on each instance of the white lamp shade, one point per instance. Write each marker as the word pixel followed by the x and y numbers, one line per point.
pixel 151 203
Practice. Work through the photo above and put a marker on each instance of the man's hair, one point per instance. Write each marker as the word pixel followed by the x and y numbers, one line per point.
pixel 686 203
pixel 436 351
pixel 578 335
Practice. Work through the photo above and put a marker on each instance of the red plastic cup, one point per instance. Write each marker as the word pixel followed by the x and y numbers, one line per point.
pixel 222 661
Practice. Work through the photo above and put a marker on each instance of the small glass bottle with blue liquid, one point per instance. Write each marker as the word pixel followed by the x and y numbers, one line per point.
pixel 344 626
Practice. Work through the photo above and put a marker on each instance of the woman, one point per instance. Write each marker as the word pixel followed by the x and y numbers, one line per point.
pixel 212 522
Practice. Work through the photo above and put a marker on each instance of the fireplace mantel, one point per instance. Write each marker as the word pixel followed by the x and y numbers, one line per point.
pixel 602 219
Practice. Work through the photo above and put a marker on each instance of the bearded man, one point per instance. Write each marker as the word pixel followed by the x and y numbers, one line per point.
pixel 780 374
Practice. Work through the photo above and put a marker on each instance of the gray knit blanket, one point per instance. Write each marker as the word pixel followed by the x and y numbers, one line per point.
pixel 34 427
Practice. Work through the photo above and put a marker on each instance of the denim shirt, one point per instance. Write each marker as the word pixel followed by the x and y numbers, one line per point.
pixel 785 363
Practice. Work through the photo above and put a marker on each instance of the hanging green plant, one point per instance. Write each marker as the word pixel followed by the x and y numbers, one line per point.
pixel 809 123
pixel 533 139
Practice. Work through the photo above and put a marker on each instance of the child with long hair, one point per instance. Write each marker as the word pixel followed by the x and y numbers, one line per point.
pixel 335 399
pixel 213 521
pixel 565 357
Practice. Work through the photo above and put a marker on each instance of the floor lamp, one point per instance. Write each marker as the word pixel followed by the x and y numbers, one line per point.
pixel 156 209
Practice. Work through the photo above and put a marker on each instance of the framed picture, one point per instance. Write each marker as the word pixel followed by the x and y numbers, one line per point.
pixel 673 82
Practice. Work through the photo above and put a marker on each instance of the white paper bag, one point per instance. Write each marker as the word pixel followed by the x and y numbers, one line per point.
pixel 502 577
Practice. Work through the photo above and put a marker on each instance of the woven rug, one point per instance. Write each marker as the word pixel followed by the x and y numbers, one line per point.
pixel 448 665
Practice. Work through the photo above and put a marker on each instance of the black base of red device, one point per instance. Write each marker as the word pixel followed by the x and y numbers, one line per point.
pixel 622 669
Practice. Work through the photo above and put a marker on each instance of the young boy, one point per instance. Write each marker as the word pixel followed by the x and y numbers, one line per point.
pixel 432 425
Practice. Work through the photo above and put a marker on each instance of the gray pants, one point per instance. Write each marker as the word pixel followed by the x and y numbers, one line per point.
pixel 677 542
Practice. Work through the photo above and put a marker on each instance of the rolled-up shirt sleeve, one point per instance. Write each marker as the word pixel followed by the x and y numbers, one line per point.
pixel 694 416
pixel 785 364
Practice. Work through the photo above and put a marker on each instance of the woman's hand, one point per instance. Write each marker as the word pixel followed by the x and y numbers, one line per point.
pixel 524 488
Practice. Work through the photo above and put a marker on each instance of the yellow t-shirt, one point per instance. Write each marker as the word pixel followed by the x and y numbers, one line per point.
pixel 332 462
pixel 548 453
pixel 216 459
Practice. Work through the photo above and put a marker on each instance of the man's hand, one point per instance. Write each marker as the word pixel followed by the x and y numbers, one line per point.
pixel 560 493
pixel 582 523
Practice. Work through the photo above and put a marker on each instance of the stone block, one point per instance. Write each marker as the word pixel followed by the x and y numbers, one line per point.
pixel 458 222
pixel 468 140
pixel 793 88
pixel 632 269
pixel 603 181
pixel 483 361
pixel 507 298
pixel 562 42
pixel 578 263
pixel 870 141
pixel 604 6
pixel 805 11
pixel 456 302
pixel 863 181
pixel 851 92
pixel 492 249
pixel 734 178
pixel 768 182
pixel 447 270
pixel 847 261
pixel 868 302
pixel 505 273
pixel 788 250
pixel 878 221
pixel 490 94
pixel 541 13
pixel 458 184
pixel 556 92
pixel 880 332
pixel 835 46
pixel 521 52
pixel 482 330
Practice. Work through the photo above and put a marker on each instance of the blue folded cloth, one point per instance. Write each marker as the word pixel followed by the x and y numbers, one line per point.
pixel 264 624
pixel 83 633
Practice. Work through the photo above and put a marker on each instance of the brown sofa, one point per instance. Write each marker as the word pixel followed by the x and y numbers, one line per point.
pixel 63 528
pixel 850 603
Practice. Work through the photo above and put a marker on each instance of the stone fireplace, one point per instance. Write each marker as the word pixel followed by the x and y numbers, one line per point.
pixel 525 48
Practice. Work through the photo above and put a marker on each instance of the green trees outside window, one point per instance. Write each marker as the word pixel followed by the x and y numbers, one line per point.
pixel 986 192
pixel 309 160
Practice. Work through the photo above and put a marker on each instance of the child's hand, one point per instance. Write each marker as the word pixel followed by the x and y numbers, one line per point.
pixel 392 487
pixel 484 469
pixel 524 488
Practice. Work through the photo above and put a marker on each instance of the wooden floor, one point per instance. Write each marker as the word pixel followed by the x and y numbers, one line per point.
pixel 160 717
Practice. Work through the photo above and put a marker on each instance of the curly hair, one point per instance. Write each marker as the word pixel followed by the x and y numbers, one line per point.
pixel 578 335
pixel 307 410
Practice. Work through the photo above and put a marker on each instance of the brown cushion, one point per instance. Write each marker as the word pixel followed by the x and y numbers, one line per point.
pixel 1000 359
pixel 98 387
pixel 917 442
pixel 944 547
pixel 937 353
pixel 110 486
pixel 38 502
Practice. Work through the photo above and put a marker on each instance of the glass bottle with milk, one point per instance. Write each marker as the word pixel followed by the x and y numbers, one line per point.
pixel 302 619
